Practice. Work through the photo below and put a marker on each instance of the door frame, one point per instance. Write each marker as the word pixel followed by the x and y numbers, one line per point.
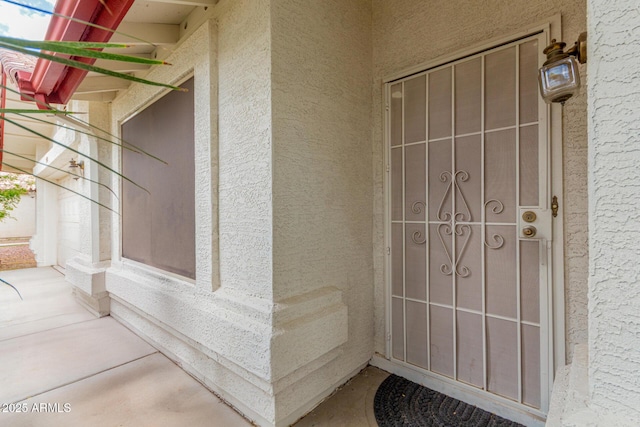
pixel 549 29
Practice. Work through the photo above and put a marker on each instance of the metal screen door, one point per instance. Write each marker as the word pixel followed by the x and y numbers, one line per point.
pixel 468 186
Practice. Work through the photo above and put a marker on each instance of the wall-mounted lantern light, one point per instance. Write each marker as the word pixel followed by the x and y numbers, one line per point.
pixel 559 76
pixel 76 168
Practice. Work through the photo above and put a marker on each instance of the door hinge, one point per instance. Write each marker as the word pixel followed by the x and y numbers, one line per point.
pixel 554 206
pixel 388 337
pixel 388 251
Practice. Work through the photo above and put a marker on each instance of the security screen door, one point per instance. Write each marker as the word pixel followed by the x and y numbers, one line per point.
pixel 469 230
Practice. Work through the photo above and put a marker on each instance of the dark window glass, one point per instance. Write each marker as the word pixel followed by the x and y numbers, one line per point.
pixel 158 228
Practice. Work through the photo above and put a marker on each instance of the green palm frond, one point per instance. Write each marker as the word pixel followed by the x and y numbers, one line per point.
pixel 87 67
pixel 62 186
pixel 80 21
pixel 66 53
pixel 60 170
pixel 49 109
pixel 80 49
pixel 23 111
pixel 14 288
pixel 13 122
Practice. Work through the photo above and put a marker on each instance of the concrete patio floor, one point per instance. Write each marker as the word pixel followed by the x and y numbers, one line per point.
pixel 60 365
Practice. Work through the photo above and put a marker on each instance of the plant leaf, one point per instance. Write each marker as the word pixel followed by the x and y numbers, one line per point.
pixel 49 108
pixel 14 288
pixel 61 170
pixel 62 186
pixel 84 49
pixel 20 111
pixel 87 67
pixel 80 21
pixel 122 143
pixel 43 44
pixel 26 116
pixel 73 150
pixel 53 110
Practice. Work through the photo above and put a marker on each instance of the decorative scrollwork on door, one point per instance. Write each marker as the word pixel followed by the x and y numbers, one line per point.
pixel 416 209
pixel 452 220
pixel 418 238
pixel 499 242
pixel 459 230
pixel 452 189
pixel 497 207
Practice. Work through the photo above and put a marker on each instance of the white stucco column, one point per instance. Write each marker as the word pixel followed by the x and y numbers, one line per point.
pixel 614 208
pixel 86 271
pixel 44 242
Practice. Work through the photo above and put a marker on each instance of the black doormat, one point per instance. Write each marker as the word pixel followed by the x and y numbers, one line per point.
pixel 400 402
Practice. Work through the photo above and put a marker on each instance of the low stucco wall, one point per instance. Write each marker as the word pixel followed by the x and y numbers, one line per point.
pixel 23 221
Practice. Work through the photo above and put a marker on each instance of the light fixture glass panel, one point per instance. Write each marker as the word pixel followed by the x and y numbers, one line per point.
pixel 559 80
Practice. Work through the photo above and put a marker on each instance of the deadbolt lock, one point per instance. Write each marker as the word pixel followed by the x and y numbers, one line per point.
pixel 529 231
pixel 529 216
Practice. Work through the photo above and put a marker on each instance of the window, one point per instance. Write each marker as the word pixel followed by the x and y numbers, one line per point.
pixel 158 228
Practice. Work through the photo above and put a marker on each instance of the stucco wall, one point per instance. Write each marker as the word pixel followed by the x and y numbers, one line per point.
pixel 100 114
pixel 322 195
pixel 614 207
pixel 74 232
pixel 283 140
pixel 245 148
pixel 407 33
pixel 69 218
pixel 220 327
pixel 23 219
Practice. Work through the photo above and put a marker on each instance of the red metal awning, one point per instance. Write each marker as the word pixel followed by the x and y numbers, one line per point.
pixel 51 82
pixel 55 83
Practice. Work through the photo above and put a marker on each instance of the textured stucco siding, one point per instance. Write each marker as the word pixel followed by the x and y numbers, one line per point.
pixel 100 114
pixel 70 207
pixel 245 148
pixel 219 327
pixel 74 233
pixel 322 168
pixel 93 222
pixel 614 207
pixel 407 33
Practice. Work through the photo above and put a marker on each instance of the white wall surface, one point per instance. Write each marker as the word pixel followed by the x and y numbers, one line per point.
pixel 219 330
pixel 614 208
pixel 245 150
pixel 407 33
pixel 99 226
pixel 45 242
pixel 23 219
pixel 322 169
pixel 290 196
pixel 69 221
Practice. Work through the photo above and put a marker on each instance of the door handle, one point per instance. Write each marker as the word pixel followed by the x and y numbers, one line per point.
pixel 529 216
pixel 529 231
